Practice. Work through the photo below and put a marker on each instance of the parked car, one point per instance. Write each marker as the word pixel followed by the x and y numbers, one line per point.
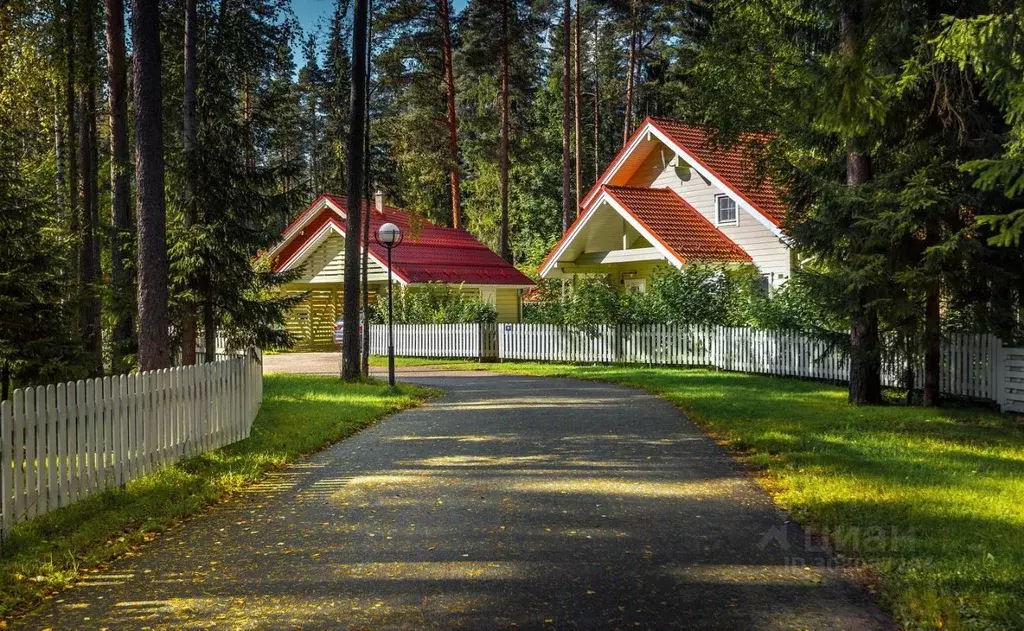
pixel 339 326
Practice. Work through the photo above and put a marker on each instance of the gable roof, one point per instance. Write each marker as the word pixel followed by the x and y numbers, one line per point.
pixel 680 226
pixel 730 168
pixel 428 253
pixel 665 219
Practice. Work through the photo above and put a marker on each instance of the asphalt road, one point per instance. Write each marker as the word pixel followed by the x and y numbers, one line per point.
pixel 512 502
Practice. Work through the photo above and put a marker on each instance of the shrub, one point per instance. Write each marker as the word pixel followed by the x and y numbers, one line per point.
pixel 695 294
pixel 435 303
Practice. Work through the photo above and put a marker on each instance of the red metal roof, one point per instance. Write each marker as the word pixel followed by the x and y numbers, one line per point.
pixel 734 165
pixel 677 225
pixel 428 253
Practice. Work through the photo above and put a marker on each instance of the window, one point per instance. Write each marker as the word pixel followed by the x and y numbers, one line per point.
pixel 726 211
pixel 764 284
pixel 638 285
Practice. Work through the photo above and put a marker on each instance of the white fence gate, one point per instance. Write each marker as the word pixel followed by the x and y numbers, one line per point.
pixel 62 443
pixel 1010 381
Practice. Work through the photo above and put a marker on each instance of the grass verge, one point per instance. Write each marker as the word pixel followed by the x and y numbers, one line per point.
pixel 930 502
pixel 300 414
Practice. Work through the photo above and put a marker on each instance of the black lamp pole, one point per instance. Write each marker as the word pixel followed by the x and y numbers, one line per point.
pixel 390 236
pixel 391 324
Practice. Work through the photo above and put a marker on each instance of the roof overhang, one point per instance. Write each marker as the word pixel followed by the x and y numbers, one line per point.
pixel 321 235
pixel 649 129
pixel 605 197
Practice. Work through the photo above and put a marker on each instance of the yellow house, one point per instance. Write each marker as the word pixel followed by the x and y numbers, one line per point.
pixel 671 197
pixel 314 244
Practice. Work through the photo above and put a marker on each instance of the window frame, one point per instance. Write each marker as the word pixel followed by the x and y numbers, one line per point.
pixel 735 221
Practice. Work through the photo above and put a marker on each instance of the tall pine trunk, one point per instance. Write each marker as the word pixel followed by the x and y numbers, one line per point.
pixel 120 214
pixel 932 333
pixel 88 193
pixel 367 188
pixel 568 210
pixel 188 115
pixel 350 357
pixel 70 113
pixel 444 17
pixel 506 251
pixel 577 123
pixel 865 351
pixel 597 102
pixel 630 73
pixel 149 186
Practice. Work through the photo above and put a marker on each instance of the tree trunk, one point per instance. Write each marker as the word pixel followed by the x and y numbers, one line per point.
pixel 865 355
pixel 58 152
pixel 568 210
pixel 120 215
pixel 367 190
pixel 506 251
pixel 444 17
pixel 189 106
pixel 597 105
pixel 70 106
pixel 932 344
pixel 350 357
pixel 865 352
pixel 630 72
pixel 89 262
pixel 149 186
pixel 209 319
pixel 577 122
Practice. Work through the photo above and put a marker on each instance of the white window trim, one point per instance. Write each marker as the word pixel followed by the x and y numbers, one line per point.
pixel 718 218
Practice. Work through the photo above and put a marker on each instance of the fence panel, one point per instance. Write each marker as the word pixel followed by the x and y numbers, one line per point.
pixel 1010 380
pixel 61 443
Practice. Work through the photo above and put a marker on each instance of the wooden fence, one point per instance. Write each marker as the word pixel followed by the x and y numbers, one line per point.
pixel 62 443
pixel 1010 381
pixel 972 365
pixel 477 341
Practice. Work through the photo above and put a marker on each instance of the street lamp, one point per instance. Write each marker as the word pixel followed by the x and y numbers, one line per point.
pixel 390 237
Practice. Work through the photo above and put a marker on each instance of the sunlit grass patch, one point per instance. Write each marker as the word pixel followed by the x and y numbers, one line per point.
pixel 928 501
pixel 300 414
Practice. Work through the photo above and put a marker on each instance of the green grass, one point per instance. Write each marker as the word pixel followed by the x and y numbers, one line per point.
pixel 300 415
pixel 948 482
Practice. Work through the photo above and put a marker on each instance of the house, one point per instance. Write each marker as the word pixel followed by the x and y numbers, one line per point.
pixel 672 197
pixel 314 244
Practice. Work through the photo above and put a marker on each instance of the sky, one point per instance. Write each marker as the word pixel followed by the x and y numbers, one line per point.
pixel 314 14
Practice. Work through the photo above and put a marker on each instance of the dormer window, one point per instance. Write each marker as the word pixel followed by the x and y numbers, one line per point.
pixel 727 214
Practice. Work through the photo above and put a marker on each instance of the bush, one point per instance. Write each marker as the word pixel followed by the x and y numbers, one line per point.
pixel 436 303
pixel 695 294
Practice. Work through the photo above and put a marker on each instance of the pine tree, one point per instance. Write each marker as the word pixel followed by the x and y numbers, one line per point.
pixel 122 280
pixel 154 320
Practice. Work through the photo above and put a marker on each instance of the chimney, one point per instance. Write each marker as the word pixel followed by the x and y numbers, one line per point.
pixel 379 201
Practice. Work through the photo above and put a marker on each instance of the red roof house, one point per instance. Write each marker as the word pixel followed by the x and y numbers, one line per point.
pixel 672 196
pixel 314 244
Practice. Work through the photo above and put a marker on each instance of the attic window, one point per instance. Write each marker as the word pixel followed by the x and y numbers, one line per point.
pixel 726 207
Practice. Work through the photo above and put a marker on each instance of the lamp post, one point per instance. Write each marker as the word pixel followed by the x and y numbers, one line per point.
pixel 390 237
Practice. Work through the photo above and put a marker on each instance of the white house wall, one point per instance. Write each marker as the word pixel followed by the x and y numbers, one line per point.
pixel 769 253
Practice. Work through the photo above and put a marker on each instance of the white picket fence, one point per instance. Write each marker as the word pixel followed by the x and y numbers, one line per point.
pixel 1010 381
pixel 62 443
pixel 437 340
pixel 973 366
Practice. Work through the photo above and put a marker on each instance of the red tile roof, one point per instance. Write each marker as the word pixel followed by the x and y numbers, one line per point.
pixel 677 225
pixel 733 165
pixel 428 253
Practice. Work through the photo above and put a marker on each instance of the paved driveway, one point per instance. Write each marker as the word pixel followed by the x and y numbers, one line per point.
pixel 512 502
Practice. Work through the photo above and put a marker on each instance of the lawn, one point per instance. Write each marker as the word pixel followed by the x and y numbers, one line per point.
pixel 934 499
pixel 300 414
